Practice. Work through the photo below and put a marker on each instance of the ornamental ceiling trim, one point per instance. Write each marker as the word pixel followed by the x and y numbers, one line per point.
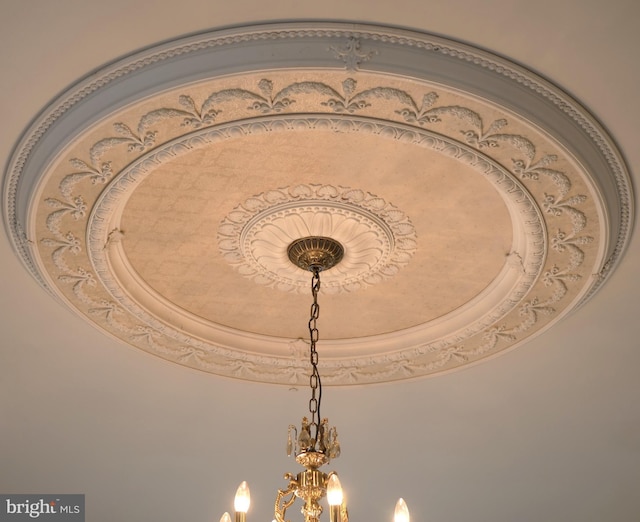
pixel 111 170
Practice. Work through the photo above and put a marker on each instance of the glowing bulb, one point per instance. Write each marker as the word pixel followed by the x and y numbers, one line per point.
pixel 334 490
pixel 243 498
pixel 225 518
pixel 401 513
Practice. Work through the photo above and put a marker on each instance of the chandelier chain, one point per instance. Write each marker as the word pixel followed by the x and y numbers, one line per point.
pixel 316 444
pixel 314 378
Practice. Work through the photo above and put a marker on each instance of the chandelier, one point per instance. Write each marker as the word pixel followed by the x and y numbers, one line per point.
pixel 316 443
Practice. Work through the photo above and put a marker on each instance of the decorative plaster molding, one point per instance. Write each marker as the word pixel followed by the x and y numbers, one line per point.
pixel 72 241
pixel 377 237
pixel 162 338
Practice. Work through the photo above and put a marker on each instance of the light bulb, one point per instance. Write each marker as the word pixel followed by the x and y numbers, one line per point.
pixel 243 498
pixel 334 490
pixel 401 513
pixel 226 517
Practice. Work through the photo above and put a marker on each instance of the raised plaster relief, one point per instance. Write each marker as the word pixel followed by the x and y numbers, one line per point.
pixel 151 335
pixel 351 54
pixel 380 238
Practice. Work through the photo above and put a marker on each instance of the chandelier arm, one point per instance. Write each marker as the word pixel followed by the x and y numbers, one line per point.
pixel 282 503
pixel 344 513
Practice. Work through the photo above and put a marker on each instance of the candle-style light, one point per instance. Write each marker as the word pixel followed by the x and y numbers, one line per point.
pixel 242 501
pixel 401 513
pixel 334 497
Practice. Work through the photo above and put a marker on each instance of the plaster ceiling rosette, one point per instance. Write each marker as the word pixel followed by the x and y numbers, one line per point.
pixel 477 203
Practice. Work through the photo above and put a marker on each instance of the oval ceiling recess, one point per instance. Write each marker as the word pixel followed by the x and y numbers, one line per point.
pixel 476 202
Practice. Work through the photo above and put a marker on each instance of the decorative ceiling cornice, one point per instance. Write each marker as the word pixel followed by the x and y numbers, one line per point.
pixel 117 176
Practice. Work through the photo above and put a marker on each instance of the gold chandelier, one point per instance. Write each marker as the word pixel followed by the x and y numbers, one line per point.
pixel 316 443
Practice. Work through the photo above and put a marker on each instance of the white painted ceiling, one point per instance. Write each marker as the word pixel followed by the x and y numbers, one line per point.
pixel 548 431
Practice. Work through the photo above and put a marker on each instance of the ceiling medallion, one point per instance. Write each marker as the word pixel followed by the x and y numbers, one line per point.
pixel 477 203
pixel 378 237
